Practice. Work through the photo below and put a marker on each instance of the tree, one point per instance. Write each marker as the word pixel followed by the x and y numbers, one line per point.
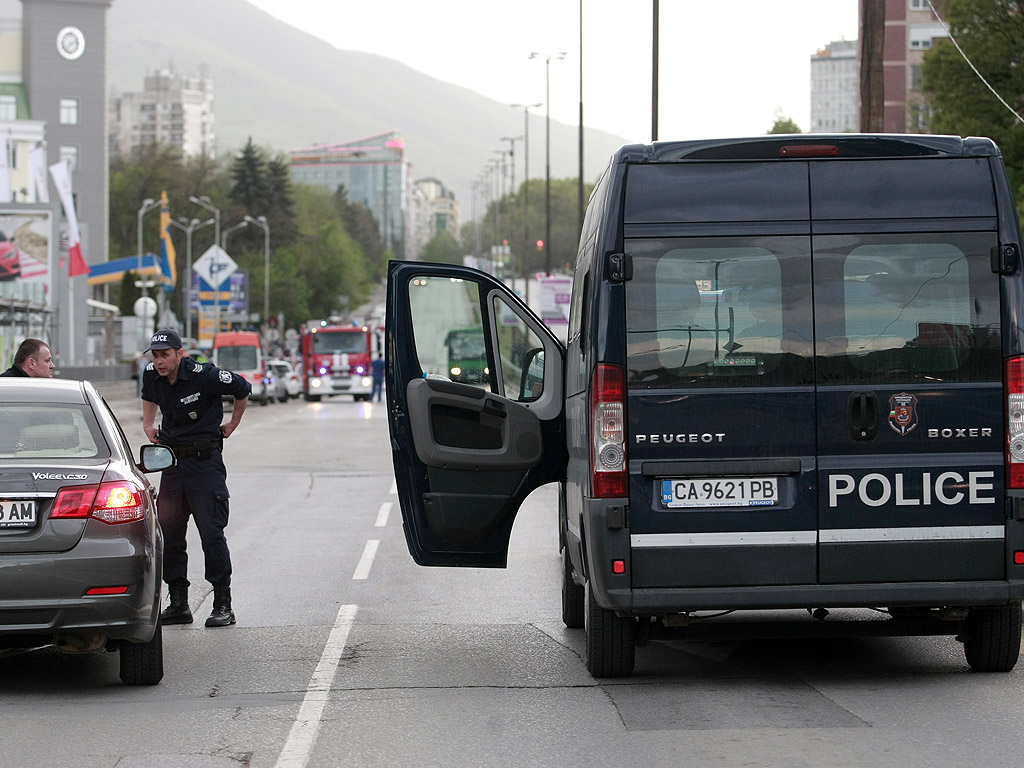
pixel 362 226
pixel 250 189
pixel 991 33
pixel 443 248
pixel 784 125
pixel 280 211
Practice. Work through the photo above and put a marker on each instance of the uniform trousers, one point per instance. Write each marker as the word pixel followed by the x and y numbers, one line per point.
pixel 198 488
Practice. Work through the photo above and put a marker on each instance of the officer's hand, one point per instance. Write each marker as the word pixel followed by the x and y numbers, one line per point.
pixel 227 429
pixel 153 434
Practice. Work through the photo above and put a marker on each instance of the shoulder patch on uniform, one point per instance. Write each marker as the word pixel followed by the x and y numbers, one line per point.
pixel 225 376
pixel 150 367
pixel 197 368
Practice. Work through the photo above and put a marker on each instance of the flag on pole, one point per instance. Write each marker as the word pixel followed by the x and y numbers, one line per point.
pixel 5 172
pixel 167 254
pixel 37 172
pixel 62 181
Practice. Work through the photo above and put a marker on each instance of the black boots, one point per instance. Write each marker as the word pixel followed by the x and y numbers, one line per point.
pixel 178 611
pixel 222 614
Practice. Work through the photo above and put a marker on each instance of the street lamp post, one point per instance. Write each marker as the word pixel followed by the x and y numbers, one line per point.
pixel 526 193
pixel 547 153
pixel 147 205
pixel 204 202
pixel 188 227
pixel 224 247
pixel 261 221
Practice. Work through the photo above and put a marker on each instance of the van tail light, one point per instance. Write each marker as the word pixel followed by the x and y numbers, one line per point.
pixel 608 475
pixel 111 503
pixel 1015 422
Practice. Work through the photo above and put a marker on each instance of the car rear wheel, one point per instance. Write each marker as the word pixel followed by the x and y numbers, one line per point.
pixel 573 595
pixel 143 663
pixel 992 643
pixel 610 640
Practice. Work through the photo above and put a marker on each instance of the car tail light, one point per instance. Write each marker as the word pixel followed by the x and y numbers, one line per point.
pixel 111 503
pixel 608 475
pixel 1015 422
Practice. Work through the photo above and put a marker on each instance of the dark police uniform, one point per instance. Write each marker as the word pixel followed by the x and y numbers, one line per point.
pixel 192 411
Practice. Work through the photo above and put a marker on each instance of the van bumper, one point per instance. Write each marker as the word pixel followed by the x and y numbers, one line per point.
pixel 678 600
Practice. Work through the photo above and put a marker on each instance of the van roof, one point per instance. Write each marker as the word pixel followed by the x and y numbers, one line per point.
pixel 236 339
pixel 802 146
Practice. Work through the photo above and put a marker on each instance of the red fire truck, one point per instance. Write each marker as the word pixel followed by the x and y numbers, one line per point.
pixel 336 360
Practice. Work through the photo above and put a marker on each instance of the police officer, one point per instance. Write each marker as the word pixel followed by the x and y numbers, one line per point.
pixel 188 395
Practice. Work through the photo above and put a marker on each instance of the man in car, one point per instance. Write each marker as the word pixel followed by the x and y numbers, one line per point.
pixel 32 359
pixel 188 395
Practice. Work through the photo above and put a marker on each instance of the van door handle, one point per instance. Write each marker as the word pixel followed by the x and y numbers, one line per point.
pixel 862 410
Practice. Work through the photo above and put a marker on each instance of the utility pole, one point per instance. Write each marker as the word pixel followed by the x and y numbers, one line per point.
pixel 872 86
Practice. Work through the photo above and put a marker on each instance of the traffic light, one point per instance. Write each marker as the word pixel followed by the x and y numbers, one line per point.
pixel 540 245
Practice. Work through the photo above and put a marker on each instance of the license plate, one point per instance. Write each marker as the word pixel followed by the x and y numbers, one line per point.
pixel 17 513
pixel 720 492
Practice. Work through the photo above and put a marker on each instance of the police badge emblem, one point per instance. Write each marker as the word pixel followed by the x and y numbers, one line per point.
pixel 193 415
pixel 225 377
pixel 903 413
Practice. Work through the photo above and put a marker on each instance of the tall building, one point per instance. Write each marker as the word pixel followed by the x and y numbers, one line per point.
pixel 373 172
pixel 22 133
pixel 834 91
pixel 64 64
pixel 171 109
pixel 434 210
pixel 910 29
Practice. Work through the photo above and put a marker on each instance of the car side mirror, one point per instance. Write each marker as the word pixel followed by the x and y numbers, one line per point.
pixel 156 458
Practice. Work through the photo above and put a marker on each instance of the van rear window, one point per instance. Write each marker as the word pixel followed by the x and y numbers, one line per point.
pixel 719 312
pixel 906 307
pixel 741 311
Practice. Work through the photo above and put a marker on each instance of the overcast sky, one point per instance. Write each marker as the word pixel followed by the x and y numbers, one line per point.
pixel 725 68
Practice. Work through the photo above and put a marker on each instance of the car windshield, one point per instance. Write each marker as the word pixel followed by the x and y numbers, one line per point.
pixel 236 358
pixel 49 432
pixel 351 342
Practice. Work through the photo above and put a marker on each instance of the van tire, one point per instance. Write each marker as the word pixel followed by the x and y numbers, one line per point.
pixel 992 643
pixel 610 640
pixel 573 595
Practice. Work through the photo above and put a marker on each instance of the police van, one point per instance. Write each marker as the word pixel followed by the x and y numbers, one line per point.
pixel 793 384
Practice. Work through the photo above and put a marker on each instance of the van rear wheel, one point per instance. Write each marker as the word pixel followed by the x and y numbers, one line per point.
pixel 573 597
pixel 610 640
pixel 992 643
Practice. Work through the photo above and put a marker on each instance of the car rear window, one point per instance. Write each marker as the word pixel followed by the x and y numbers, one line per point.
pixel 49 432
pixel 719 312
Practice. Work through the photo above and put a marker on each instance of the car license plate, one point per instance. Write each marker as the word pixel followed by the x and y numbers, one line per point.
pixel 720 492
pixel 17 513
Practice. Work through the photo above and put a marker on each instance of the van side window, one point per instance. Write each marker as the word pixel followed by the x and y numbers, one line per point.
pixel 520 354
pixel 904 307
pixel 576 346
pixel 719 312
pixel 449 335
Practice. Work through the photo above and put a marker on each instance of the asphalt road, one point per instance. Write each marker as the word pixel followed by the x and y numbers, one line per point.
pixel 347 653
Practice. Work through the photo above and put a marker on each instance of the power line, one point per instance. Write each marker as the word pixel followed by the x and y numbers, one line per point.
pixel 971 64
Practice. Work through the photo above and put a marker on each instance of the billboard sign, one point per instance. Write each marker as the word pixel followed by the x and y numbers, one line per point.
pixel 25 251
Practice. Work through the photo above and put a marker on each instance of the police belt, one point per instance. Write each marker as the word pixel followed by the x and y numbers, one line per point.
pixel 201 447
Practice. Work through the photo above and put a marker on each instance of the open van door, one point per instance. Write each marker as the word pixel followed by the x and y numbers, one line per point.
pixel 468 449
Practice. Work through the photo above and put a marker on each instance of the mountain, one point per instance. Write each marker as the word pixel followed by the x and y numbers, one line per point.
pixel 287 89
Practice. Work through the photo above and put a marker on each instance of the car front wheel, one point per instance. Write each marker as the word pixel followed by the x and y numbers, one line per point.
pixel 143 663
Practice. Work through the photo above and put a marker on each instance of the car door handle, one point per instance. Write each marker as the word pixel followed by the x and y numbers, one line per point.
pixel 862 410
